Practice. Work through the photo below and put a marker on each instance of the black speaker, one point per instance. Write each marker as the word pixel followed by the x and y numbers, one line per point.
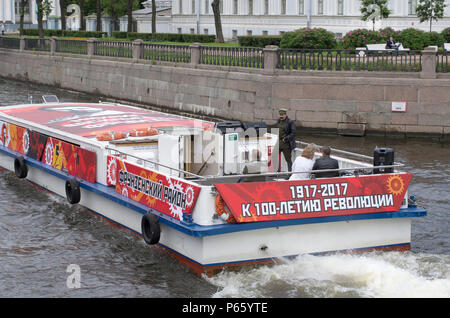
pixel 229 126
pixel 383 157
pixel 257 126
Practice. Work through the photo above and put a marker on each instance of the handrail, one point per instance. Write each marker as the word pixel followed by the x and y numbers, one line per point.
pixel 398 164
pixel 153 162
pixel 290 172
pixel 254 175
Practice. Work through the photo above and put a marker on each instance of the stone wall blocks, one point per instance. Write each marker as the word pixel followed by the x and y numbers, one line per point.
pixel 318 116
pixel 423 130
pixel 342 105
pixel 313 99
pixel 401 93
pixel 309 104
pixel 404 119
pixel 434 120
pixel 434 94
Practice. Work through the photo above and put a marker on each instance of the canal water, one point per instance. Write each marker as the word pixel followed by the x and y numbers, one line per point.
pixel 44 241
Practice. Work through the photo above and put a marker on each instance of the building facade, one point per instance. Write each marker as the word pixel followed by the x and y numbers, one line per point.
pixel 10 14
pixel 243 17
pixel 274 17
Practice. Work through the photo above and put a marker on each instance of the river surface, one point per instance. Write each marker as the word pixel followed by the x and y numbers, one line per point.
pixel 41 235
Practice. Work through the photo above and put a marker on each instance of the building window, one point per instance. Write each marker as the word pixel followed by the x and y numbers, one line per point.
pixel 205 31
pixel 234 35
pixel 179 30
pixel 412 7
pixel 192 30
pixel 282 32
pixel 283 6
pixel 301 7
pixel 266 7
pixel 340 7
pixel 206 6
pixel 180 6
pixel 221 6
pixel 235 7
pixel 193 6
pixel 250 7
pixel 265 33
pixel 320 7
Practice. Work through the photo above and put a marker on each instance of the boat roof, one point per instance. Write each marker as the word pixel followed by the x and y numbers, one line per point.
pixel 91 119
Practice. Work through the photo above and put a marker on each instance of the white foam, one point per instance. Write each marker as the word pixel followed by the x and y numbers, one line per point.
pixel 390 274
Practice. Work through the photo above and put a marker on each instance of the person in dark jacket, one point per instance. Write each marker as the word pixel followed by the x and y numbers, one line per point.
pixel 325 162
pixel 287 136
pixel 391 44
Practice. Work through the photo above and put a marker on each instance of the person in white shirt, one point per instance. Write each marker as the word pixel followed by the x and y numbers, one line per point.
pixel 303 164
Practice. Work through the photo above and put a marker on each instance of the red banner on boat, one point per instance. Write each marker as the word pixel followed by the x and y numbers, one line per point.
pixel 59 154
pixel 167 195
pixel 14 137
pixel 67 157
pixel 283 200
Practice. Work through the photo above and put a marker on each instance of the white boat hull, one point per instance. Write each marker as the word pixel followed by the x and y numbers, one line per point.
pixel 208 248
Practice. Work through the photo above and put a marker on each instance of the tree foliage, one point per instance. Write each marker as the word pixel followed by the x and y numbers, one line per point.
pixel 374 10
pixel 429 10
pixel 44 8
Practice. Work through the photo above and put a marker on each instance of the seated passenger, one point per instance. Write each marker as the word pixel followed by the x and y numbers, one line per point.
pixel 326 163
pixel 303 163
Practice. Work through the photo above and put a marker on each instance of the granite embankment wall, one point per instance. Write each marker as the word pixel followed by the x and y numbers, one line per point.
pixel 323 100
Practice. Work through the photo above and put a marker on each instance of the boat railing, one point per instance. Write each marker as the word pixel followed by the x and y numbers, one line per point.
pixel 157 164
pixel 343 152
pixel 356 170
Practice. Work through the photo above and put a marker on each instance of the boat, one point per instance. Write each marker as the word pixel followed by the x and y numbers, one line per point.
pixel 214 195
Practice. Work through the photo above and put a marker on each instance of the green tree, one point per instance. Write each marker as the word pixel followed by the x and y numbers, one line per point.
pixel 429 10
pixel 22 5
pixel 98 13
pixel 374 10
pixel 130 15
pixel 153 17
pixel 217 22
pixel 44 8
pixel 117 9
pixel 63 7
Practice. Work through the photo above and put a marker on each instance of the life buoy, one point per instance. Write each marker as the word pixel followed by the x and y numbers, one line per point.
pixel 111 135
pixel 150 228
pixel 143 132
pixel 73 193
pixel 222 211
pixel 20 167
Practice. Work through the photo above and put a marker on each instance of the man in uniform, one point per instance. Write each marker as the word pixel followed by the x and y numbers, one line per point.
pixel 287 137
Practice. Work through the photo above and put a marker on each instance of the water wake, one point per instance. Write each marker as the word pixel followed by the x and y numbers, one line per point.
pixel 376 274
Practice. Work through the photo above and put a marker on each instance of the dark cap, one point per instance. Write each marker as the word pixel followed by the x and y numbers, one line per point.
pixel 282 111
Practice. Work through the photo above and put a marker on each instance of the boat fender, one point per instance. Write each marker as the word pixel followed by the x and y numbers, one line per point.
pixel 150 228
pixel 73 193
pixel 111 135
pixel 20 167
pixel 144 132
pixel 222 211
